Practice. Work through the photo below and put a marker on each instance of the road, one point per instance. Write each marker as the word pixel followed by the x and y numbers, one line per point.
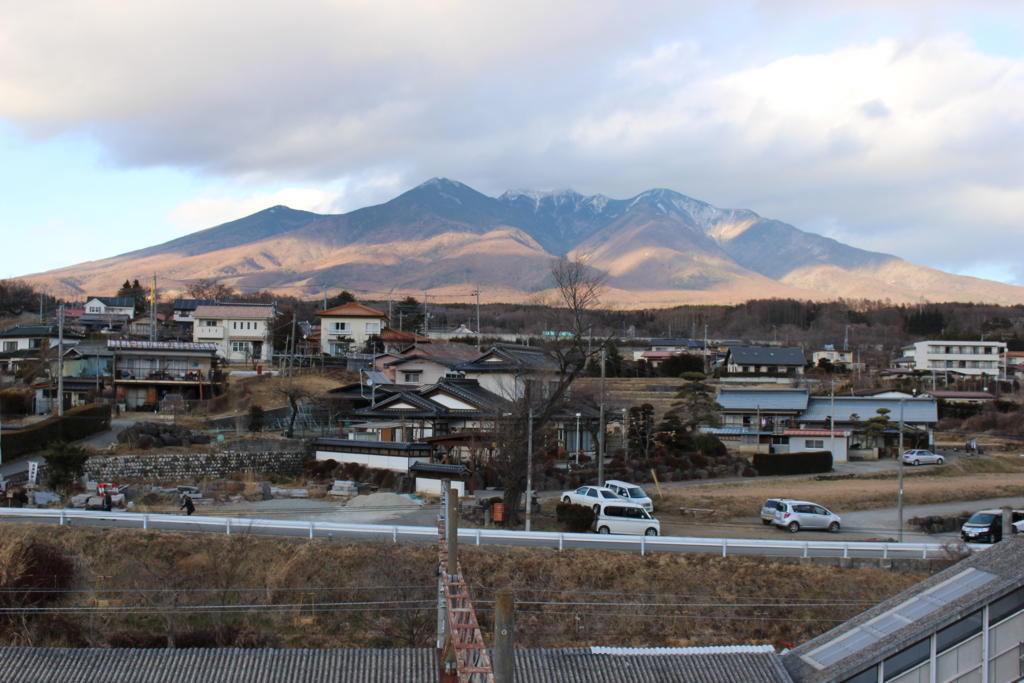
pixel 787 547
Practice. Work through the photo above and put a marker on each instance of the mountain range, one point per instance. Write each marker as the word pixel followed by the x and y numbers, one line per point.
pixel 444 238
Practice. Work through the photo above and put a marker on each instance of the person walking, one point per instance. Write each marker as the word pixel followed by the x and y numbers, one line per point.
pixel 187 505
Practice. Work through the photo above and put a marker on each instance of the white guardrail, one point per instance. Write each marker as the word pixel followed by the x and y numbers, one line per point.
pixel 549 539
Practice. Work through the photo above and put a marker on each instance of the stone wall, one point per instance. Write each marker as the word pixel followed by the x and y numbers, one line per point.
pixel 193 466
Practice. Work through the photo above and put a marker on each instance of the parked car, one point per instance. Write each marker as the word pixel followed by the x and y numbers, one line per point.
pixel 630 492
pixel 768 509
pixel 802 514
pixel 624 517
pixel 922 456
pixel 591 496
pixel 986 526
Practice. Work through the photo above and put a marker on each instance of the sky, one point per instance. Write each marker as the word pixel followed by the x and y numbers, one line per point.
pixel 894 126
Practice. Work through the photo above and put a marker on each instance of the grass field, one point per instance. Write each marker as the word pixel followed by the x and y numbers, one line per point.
pixel 145 589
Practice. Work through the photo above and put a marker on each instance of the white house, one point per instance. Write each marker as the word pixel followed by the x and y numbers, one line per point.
pixel 243 332
pixel 347 327
pixel 111 305
pixel 964 357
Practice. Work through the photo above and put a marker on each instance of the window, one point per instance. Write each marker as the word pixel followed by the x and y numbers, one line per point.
pixel 210 323
pixel 240 347
pixel 94 309
pixel 591 493
pixel 340 326
pixel 907 659
pixel 412 377
pixel 814 443
pixel 1005 606
pixel 10 346
pixel 958 632
pixel 234 325
pixel 373 328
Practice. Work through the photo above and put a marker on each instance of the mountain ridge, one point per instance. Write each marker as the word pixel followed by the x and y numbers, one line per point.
pixel 443 235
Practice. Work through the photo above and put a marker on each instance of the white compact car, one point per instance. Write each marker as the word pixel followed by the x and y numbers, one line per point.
pixel 591 496
pixel 623 517
pixel 921 456
pixel 802 514
pixel 631 492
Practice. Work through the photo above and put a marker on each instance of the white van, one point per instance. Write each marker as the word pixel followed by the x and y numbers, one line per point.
pixel 623 517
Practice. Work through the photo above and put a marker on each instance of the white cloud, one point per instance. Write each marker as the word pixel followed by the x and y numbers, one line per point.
pixel 888 126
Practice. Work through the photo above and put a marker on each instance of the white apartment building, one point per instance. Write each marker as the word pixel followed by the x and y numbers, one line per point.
pixel 111 305
pixel 243 333
pixel 347 327
pixel 964 357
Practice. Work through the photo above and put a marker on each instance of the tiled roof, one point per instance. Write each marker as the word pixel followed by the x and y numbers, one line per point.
pixel 762 399
pixel 511 358
pixel 234 311
pixel 39 331
pixel 767 355
pixel 402 337
pixel 450 355
pixel 351 310
pixel 209 665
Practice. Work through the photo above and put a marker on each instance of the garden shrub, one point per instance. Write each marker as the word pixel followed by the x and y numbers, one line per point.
pixel 811 462
pixel 575 518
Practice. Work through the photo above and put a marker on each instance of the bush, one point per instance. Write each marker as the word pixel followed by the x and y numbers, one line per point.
pixel 575 518
pixel 812 462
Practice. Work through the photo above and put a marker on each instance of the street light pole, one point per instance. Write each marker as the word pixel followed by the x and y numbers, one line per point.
pixel 579 448
pixel 832 420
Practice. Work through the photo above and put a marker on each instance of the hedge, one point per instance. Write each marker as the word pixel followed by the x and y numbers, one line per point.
pixel 575 518
pixel 811 462
pixel 76 423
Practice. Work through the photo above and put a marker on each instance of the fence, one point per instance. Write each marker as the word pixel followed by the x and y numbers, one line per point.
pixel 546 539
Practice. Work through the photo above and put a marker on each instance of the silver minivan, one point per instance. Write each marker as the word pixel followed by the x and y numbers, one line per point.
pixel 623 517
pixel 803 514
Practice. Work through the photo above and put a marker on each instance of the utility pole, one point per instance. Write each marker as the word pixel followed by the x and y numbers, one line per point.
pixel 504 638
pixel 291 356
pixel 426 316
pixel 60 360
pixel 477 293
pixel 152 310
pixel 832 419
pixel 706 368
pixel 40 308
pixel 452 532
pixel 600 423
pixel 529 464
pixel 899 500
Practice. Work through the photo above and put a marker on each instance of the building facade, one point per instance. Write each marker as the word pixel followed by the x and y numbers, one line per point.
pixel 963 357
pixel 242 333
pixel 347 327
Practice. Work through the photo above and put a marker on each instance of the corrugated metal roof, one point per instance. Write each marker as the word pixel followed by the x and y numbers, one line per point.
pixel 208 665
pixel 139 345
pixel 583 665
pixel 767 355
pixel 914 409
pixel 763 399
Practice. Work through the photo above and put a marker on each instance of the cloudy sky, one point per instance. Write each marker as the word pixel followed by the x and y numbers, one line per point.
pixel 890 125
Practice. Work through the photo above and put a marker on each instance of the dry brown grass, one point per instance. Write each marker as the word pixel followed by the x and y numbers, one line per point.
pixel 962 480
pixel 687 599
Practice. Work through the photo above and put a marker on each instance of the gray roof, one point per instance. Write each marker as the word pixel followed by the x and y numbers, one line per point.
pixel 116 301
pixel 915 410
pixel 763 399
pixel 511 358
pixel 191 304
pixel 202 665
pixel 39 331
pixel 767 355
pixel 614 665
pixel 672 341
pixel 993 573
